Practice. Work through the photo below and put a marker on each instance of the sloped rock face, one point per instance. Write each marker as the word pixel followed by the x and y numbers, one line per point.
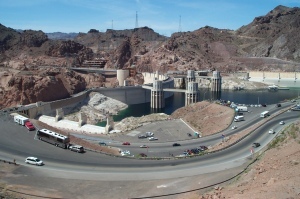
pixel 8 38
pixel 45 86
pixel 275 34
pixel 32 38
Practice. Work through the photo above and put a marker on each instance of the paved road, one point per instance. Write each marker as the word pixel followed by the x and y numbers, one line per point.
pixel 169 132
pixel 95 166
pixel 99 178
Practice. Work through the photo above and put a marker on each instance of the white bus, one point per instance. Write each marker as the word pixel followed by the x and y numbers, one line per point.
pixel 53 138
pixel 265 114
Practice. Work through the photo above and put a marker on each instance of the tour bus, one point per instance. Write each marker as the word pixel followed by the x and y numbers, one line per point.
pixel 265 114
pixel 53 138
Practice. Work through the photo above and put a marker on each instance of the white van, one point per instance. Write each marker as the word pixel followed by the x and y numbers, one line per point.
pixel 239 118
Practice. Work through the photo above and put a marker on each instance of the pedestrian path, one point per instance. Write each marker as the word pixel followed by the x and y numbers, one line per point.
pixel 72 126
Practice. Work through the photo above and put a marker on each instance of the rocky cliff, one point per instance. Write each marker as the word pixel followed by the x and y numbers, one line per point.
pixel 269 42
pixel 45 84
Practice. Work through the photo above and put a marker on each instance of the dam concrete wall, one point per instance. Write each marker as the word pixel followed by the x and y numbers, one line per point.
pixel 284 79
pixel 127 94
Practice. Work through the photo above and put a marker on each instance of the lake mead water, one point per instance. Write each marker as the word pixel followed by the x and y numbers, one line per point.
pixel 240 97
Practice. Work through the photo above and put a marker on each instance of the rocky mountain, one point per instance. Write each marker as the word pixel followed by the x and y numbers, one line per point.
pixel 269 42
pixel 274 35
pixel 61 35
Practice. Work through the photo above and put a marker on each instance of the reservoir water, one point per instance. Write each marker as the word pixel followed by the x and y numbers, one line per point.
pixel 240 97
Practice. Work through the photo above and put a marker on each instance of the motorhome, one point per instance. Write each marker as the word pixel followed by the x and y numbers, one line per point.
pixel 239 118
pixel 242 108
pixel 265 114
pixel 20 119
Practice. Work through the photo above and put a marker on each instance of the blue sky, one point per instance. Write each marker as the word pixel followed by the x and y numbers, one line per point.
pixel 163 16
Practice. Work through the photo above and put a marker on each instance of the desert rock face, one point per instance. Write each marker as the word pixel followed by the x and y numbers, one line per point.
pixel 32 38
pixel 268 43
pixel 45 85
pixel 96 107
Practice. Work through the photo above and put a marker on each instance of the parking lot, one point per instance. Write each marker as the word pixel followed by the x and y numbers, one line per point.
pixel 165 131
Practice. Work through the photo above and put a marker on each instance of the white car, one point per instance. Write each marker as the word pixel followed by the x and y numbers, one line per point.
pixel 152 138
pixel 76 148
pixel 281 122
pixel 234 127
pixel 271 131
pixel 34 160
pixel 144 146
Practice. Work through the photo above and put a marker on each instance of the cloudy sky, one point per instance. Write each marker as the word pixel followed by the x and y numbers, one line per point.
pixel 163 16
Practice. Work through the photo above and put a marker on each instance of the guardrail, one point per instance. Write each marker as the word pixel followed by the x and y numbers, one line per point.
pixel 9 162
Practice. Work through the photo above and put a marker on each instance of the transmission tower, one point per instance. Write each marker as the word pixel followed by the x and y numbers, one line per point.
pixel 179 28
pixel 112 24
pixel 136 20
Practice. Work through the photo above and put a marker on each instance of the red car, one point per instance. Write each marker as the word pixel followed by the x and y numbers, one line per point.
pixel 126 143
pixel 29 126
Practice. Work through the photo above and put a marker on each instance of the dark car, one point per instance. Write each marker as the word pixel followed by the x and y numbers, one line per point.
pixel 102 143
pixel 263 105
pixel 278 105
pixel 255 145
pixel 176 144
pixel 195 151
pixel 126 143
pixel 142 136
pixel 202 148
pixel 142 155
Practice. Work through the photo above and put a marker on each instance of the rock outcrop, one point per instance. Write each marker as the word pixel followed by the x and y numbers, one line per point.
pixel 45 85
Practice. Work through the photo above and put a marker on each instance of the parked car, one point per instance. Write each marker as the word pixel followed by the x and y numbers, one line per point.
pixel 152 138
pixel 76 148
pixel 142 155
pixel 202 148
pixel 34 161
pixel 144 146
pixel 102 143
pixel 195 151
pixel 281 122
pixel 126 143
pixel 29 126
pixel 255 145
pixel 142 136
pixel 176 144
pixel 271 131
pixel 149 134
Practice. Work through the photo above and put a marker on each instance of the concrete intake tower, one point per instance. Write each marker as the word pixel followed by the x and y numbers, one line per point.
pixel 216 82
pixel 157 95
pixel 192 94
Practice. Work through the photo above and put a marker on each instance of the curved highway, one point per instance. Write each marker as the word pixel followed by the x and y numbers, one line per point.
pixel 17 143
